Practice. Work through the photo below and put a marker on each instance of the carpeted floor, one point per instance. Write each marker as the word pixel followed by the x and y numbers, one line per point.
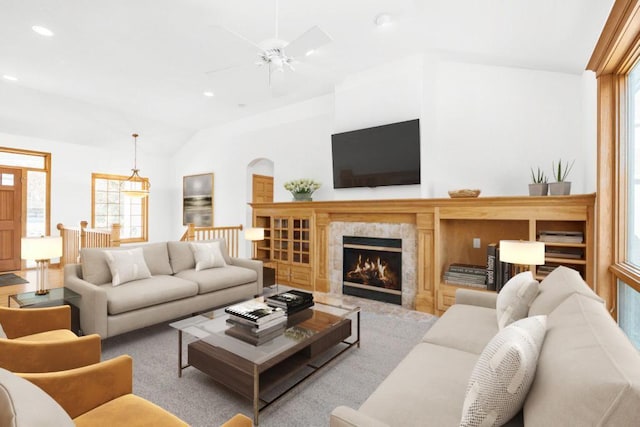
pixel 9 279
pixel 348 380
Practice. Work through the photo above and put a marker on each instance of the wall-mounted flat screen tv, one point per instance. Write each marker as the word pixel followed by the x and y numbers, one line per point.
pixel 377 156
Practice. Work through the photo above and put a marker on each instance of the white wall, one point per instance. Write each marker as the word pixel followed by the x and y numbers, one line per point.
pixel 495 123
pixel 71 168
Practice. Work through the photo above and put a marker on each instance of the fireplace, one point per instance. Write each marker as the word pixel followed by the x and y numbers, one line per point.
pixel 372 268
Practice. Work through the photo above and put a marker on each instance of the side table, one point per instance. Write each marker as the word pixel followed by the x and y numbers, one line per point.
pixel 55 297
pixel 269 277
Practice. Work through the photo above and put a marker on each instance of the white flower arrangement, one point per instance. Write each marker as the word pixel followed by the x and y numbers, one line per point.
pixel 303 185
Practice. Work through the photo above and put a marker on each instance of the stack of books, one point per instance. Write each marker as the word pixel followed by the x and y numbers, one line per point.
pixel 561 236
pixel 291 301
pixel 255 322
pixel 466 274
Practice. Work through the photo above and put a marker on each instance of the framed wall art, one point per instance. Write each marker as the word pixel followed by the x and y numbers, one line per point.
pixel 197 200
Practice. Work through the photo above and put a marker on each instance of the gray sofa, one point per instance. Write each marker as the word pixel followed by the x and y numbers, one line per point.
pixel 588 372
pixel 174 289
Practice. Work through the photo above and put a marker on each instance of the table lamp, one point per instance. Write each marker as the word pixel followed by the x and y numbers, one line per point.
pixel 522 253
pixel 254 235
pixel 41 250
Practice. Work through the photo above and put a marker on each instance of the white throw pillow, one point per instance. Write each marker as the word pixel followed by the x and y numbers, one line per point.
pixel 515 298
pixel 503 374
pixel 127 265
pixel 2 333
pixel 207 255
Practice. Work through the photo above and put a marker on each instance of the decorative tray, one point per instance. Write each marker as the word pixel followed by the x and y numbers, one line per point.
pixel 464 193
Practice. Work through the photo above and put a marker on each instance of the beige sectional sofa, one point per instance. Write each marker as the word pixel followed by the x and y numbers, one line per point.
pixel 588 372
pixel 174 288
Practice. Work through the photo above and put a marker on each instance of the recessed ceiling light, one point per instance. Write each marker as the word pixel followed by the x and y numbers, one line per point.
pixel 10 78
pixel 383 19
pixel 310 52
pixel 42 31
pixel 242 105
pixel 208 93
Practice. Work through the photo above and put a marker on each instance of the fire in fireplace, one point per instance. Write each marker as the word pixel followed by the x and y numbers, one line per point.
pixel 372 268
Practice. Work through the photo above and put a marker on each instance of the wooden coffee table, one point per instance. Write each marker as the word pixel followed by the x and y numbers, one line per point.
pixel 264 373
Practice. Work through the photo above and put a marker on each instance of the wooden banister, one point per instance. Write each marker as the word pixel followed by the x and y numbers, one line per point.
pixel 74 239
pixel 230 234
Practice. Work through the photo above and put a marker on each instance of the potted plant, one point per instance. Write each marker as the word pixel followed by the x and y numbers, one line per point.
pixel 560 173
pixel 538 186
pixel 302 189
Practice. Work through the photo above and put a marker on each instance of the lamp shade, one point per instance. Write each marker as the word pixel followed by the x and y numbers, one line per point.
pixel 254 234
pixel 522 252
pixel 44 247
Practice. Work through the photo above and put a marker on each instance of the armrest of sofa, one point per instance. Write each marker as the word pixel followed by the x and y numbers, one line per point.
pixel 49 356
pixel 92 305
pixel 343 416
pixel 253 264
pixel 83 389
pixel 478 298
pixel 18 323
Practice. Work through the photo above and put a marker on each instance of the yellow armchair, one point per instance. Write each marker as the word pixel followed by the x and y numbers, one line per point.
pixel 40 340
pixel 101 394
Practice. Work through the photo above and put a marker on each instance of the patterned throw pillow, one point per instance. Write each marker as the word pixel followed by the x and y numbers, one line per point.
pixel 503 374
pixel 515 298
pixel 127 265
pixel 207 255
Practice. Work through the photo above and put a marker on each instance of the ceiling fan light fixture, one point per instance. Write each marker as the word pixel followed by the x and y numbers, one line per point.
pixel 135 186
pixel 383 20
pixel 43 31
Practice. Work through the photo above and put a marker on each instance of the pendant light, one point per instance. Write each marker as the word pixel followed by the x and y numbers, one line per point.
pixel 135 186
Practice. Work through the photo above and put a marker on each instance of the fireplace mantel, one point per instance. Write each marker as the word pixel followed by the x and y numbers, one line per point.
pixel 445 228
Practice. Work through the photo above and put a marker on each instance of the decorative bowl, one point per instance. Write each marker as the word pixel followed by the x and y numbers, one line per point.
pixel 464 193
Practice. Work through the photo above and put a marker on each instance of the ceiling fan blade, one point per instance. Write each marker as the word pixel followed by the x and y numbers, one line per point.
pixel 240 36
pixel 313 38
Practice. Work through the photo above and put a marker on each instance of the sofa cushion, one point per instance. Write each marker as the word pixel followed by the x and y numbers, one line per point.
pixel 156 255
pixel 94 266
pixel 181 256
pixel 515 298
pixel 147 292
pixel 219 278
pixel 503 374
pixel 96 270
pixel 428 384
pixel 25 404
pixel 126 265
pixel 207 255
pixel 559 285
pixel 464 327
pixel 587 364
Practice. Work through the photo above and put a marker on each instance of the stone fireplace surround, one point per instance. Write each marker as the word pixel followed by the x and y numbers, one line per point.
pixel 406 232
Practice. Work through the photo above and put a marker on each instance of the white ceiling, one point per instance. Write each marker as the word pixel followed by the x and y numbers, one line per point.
pixel 119 66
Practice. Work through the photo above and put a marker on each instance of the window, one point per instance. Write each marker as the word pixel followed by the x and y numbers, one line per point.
pixel 110 207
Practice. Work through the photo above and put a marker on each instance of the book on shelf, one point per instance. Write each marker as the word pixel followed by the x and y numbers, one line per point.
pixel 244 335
pixel 491 266
pixel 255 311
pixel 560 252
pixel 553 236
pixel 466 274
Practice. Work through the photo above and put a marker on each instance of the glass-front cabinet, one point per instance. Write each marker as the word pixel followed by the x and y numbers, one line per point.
pixel 288 244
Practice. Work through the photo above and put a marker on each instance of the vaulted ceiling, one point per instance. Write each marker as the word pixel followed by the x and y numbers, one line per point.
pixel 113 67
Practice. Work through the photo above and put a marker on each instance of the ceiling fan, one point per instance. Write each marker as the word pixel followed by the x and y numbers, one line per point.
pixel 278 54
